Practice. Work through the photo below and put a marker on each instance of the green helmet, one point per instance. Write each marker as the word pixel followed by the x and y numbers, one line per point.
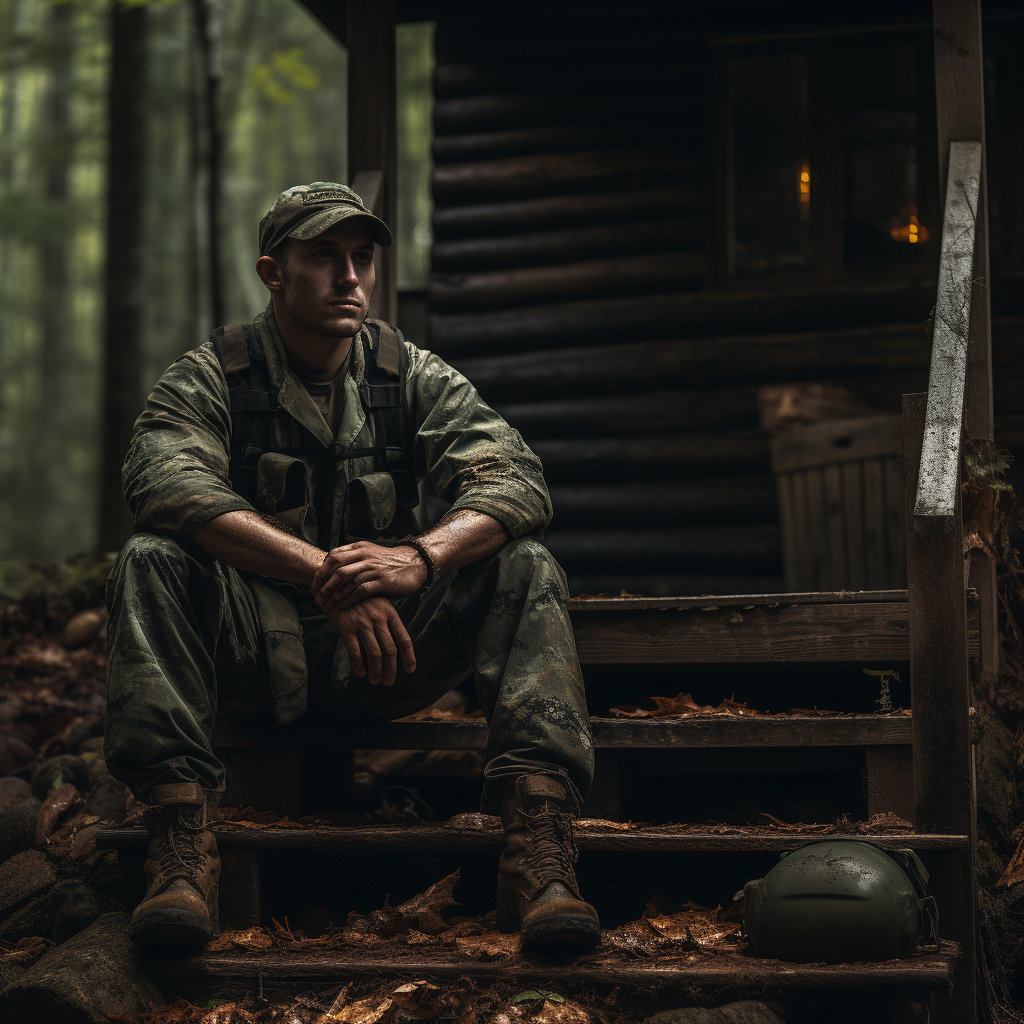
pixel 840 902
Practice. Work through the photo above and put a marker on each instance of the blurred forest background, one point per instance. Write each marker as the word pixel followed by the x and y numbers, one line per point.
pixel 278 86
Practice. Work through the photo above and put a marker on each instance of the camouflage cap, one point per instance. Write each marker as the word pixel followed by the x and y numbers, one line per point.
pixel 304 211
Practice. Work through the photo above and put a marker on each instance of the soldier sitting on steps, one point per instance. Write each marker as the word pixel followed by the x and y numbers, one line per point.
pixel 276 565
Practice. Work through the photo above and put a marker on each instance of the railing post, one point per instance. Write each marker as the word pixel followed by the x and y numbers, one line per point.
pixel 940 700
pixel 960 109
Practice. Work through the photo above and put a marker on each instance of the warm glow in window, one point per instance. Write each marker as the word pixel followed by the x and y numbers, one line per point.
pixel 805 184
pixel 907 228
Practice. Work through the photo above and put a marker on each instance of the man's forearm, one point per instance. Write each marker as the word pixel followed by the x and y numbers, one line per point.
pixel 462 538
pixel 246 541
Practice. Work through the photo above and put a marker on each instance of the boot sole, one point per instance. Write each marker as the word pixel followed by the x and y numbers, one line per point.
pixel 169 927
pixel 562 932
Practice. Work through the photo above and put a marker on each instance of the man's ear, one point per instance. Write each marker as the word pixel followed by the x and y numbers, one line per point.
pixel 269 271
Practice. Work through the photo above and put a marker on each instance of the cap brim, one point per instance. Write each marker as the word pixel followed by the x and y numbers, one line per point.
pixel 324 219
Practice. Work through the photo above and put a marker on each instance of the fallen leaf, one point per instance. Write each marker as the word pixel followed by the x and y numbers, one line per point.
pixel 530 995
pixel 365 1011
pixel 58 804
pixel 490 944
pixel 248 938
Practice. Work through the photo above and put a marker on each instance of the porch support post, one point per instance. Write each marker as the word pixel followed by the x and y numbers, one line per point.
pixel 372 136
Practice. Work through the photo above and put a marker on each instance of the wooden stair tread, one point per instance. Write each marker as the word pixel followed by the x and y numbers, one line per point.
pixel 589 837
pixel 825 627
pixel 931 970
pixel 630 733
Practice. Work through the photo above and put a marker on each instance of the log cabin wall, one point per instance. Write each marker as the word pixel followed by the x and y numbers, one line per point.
pixel 581 166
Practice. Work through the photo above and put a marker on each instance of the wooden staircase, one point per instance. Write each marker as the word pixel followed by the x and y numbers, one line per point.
pixel 782 628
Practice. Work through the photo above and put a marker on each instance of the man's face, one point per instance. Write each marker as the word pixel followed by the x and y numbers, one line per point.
pixel 325 282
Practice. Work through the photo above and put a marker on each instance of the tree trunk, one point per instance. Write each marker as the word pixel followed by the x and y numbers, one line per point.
pixel 209 312
pixel 122 355
pixel 51 420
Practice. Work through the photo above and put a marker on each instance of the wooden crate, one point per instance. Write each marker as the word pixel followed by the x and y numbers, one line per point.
pixel 840 486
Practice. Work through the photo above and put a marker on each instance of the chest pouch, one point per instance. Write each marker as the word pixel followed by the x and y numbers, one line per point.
pixel 282 491
pixel 281 630
pixel 370 504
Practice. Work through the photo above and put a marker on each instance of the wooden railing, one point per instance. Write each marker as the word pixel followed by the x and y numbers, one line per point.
pixel 940 452
pixel 936 584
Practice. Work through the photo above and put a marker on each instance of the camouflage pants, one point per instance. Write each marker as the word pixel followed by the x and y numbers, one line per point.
pixel 185 642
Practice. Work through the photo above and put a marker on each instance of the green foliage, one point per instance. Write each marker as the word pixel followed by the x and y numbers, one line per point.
pixel 284 73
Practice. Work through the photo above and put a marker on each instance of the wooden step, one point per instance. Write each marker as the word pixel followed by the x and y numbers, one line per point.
pixel 926 970
pixel 827 627
pixel 604 836
pixel 620 733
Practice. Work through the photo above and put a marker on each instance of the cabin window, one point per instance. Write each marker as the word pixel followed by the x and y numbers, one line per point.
pixel 820 155
pixel 770 157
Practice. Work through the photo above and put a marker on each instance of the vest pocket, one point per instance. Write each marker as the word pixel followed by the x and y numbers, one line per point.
pixel 281 630
pixel 283 491
pixel 371 503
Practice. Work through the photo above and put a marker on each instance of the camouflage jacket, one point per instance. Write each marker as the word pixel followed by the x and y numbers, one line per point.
pixel 175 476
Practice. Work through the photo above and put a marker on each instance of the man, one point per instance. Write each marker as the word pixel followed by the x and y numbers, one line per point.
pixel 260 457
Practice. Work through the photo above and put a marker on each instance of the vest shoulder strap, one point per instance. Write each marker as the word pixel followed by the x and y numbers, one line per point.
pixel 388 348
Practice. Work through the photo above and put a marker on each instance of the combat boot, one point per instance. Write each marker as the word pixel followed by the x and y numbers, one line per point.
pixel 537 890
pixel 182 869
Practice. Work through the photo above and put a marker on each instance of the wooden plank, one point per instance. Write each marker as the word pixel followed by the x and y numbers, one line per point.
pixel 792 542
pixel 940 696
pixel 637 273
pixel 454 839
pixel 567 245
pixel 889 777
pixel 814 520
pixel 626 733
pixel 483 221
pixel 896 523
pixel 372 131
pixel 806 579
pixel 721 500
pixel 840 597
pixel 726 360
pixel 743 549
pixel 838 441
pixel 653 457
pixel 835 573
pixel 862 632
pixel 928 970
pixel 853 516
pixel 574 323
pixel 876 558
pixel 940 455
pixel 546 174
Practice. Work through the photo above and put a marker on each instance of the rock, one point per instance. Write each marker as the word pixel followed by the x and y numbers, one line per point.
pixel 15 754
pixel 22 877
pixel 31 919
pixel 86 980
pixel 73 906
pixel 12 791
pixel 9 972
pixel 55 771
pixel 18 827
pixel 107 800
pixel 995 764
pixel 745 1012
pixel 82 628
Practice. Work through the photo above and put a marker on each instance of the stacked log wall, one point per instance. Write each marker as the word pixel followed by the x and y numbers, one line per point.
pixel 572 189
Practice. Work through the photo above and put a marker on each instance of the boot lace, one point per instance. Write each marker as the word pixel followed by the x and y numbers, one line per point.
pixel 554 848
pixel 181 851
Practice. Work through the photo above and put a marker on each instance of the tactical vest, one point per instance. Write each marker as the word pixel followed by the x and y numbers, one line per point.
pixel 253 403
